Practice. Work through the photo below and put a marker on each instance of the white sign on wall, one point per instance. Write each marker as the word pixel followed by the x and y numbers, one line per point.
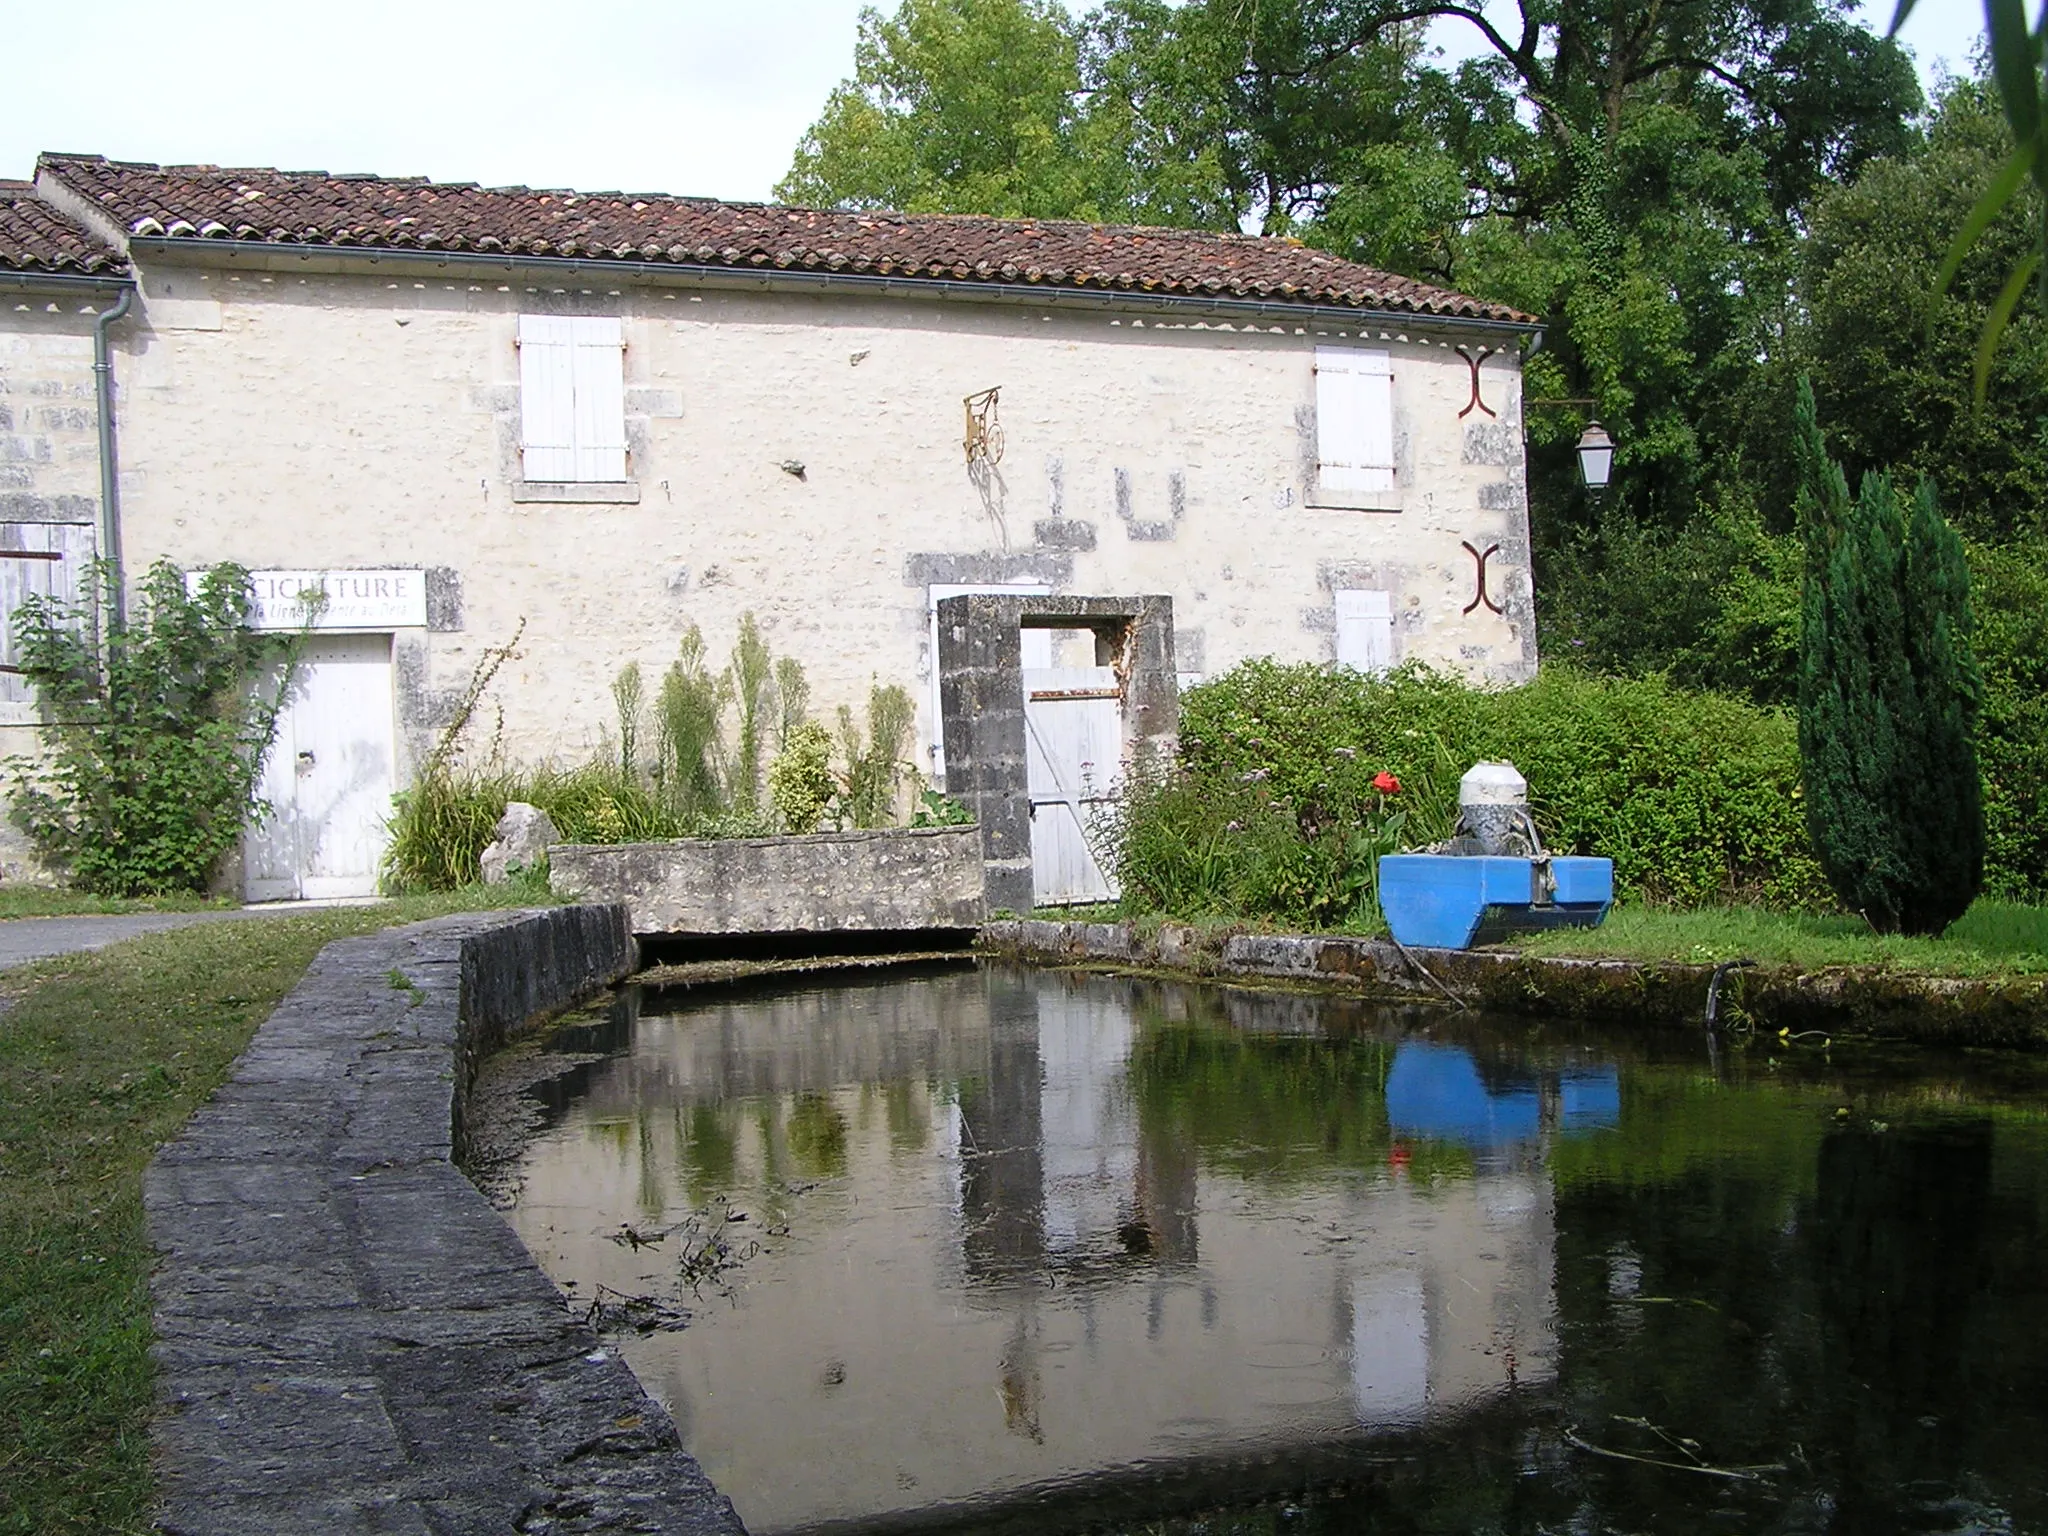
pixel 355 599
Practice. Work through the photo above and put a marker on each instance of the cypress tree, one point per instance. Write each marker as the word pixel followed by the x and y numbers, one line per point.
pixel 1889 696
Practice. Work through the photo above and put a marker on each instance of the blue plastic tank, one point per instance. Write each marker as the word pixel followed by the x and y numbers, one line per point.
pixel 1454 901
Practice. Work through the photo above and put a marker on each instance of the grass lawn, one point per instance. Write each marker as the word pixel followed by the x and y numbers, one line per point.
pixel 103 1056
pixel 18 899
pixel 1994 938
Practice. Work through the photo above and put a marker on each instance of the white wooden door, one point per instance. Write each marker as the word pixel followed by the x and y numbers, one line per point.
pixel 329 777
pixel 1073 730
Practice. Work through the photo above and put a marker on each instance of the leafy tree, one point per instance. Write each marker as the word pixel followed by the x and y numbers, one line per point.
pixel 1273 114
pixel 1889 697
pixel 1651 210
pixel 156 728
pixel 2016 54
pixel 955 106
pixel 1714 599
pixel 1891 357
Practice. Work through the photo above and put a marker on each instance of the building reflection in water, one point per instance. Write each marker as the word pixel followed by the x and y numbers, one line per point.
pixel 1041 1228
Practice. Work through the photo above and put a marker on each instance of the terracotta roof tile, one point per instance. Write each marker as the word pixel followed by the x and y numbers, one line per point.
pixel 34 237
pixel 400 213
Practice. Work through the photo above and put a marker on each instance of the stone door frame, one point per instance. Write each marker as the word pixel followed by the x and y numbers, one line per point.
pixel 981 701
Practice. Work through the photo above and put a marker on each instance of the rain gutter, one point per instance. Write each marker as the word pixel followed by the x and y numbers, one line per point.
pixel 62 284
pixel 110 469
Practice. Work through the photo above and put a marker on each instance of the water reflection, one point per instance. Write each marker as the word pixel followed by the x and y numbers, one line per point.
pixel 1032 1243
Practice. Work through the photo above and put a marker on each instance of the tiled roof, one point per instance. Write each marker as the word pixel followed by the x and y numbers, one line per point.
pixel 35 238
pixel 384 213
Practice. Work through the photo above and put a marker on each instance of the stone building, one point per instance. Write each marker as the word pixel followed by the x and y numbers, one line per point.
pixel 612 417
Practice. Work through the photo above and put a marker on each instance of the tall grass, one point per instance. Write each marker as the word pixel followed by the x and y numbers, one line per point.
pixel 692 783
pixel 875 766
pixel 447 819
pixel 751 685
pixel 689 767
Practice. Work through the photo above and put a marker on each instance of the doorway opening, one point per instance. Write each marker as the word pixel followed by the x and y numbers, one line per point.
pixel 328 778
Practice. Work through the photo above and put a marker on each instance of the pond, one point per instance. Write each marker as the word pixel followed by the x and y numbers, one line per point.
pixel 993 1249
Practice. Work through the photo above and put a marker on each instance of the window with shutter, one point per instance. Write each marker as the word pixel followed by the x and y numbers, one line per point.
pixel 572 398
pixel 1365 630
pixel 36 559
pixel 1354 420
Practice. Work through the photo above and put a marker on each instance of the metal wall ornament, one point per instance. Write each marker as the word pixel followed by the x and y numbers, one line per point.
pixel 984 442
pixel 1479 558
pixel 1472 361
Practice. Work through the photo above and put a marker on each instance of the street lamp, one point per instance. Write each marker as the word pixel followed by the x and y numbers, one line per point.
pixel 1596 456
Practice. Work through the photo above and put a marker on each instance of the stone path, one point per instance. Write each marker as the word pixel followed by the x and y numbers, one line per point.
pixel 349 1339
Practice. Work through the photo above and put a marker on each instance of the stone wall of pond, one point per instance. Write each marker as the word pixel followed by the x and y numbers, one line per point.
pixel 900 878
pixel 1845 1000
pixel 348 1337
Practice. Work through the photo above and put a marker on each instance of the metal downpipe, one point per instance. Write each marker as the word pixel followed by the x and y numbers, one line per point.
pixel 110 468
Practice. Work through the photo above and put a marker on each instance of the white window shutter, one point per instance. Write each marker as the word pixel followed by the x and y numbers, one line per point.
pixel 1354 419
pixel 547 397
pixel 1365 630
pixel 600 381
pixel 41 559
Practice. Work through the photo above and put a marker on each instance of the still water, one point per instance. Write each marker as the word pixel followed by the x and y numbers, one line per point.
pixel 998 1249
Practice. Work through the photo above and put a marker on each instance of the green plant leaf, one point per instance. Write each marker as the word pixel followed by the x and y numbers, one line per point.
pixel 2015 66
pixel 2003 186
pixel 1996 322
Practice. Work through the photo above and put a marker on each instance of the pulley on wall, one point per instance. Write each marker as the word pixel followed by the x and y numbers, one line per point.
pixel 984 442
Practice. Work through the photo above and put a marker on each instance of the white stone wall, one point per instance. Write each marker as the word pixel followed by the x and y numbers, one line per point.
pixel 49 445
pixel 307 420
pixel 49 464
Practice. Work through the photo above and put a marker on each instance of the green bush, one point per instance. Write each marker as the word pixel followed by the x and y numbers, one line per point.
pixel 1269 811
pixel 800 782
pixel 2009 593
pixel 155 729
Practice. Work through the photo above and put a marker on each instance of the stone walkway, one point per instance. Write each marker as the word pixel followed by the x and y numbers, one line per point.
pixel 349 1339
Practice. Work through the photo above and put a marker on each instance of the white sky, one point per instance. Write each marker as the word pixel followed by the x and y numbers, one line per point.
pixel 688 96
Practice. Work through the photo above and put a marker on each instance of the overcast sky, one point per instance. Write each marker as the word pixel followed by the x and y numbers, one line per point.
pixel 683 96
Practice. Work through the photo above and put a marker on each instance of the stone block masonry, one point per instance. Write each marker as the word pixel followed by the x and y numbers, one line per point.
pixel 894 879
pixel 981 693
pixel 349 1338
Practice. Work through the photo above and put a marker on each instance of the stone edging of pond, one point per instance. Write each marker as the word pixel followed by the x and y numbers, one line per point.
pixel 1845 1000
pixel 348 1337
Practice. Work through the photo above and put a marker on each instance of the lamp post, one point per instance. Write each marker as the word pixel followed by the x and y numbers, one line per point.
pixel 1596 456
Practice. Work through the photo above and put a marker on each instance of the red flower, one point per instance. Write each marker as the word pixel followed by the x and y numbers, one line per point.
pixel 1386 783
